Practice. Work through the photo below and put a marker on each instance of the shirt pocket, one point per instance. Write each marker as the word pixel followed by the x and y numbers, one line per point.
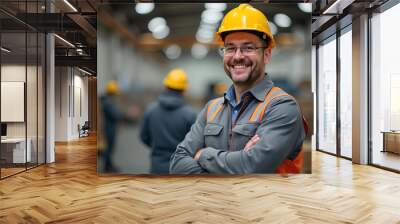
pixel 212 135
pixel 241 134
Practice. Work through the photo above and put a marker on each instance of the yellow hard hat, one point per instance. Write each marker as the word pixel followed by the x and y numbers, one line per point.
pixel 112 87
pixel 246 17
pixel 176 79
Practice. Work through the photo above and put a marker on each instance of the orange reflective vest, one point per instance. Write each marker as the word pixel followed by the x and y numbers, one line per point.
pixel 288 165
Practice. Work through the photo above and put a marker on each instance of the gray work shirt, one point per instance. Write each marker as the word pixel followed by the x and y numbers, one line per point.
pixel 223 140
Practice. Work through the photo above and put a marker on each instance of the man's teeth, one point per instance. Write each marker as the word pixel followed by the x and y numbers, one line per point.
pixel 239 66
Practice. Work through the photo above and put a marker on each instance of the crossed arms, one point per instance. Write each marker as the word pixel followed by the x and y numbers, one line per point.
pixel 280 132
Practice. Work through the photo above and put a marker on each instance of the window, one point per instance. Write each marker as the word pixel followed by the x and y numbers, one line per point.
pixel 22 79
pixel 385 87
pixel 327 96
pixel 346 94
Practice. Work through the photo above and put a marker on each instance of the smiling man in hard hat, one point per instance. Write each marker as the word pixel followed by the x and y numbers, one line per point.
pixel 167 121
pixel 255 127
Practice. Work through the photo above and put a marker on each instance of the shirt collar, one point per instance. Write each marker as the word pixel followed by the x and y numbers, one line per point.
pixel 261 89
pixel 258 91
pixel 229 96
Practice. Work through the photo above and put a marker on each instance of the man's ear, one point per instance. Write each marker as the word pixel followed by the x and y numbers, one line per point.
pixel 267 55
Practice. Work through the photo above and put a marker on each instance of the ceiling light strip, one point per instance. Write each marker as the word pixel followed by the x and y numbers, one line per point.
pixel 5 50
pixel 84 71
pixel 65 41
pixel 70 5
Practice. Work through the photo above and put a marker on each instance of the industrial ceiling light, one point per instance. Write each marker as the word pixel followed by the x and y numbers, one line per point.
pixel 337 7
pixel 70 5
pixel 155 23
pixel 65 41
pixel 84 71
pixel 282 20
pixel 161 33
pixel 205 36
pixel 79 51
pixel 211 16
pixel 208 26
pixel 305 7
pixel 5 50
pixel 173 51
pixel 216 6
pixel 274 29
pixel 199 51
pixel 144 8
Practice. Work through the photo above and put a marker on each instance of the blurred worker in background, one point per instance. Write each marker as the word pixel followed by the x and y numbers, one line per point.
pixel 111 117
pixel 167 121
pixel 255 127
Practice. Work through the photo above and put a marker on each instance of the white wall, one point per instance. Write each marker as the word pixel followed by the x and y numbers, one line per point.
pixel 80 85
pixel 14 73
pixel 33 126
pixel 61 103
pixel 67 115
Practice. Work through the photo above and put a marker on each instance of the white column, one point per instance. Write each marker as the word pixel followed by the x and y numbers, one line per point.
pixel 360 90
pixel 50 94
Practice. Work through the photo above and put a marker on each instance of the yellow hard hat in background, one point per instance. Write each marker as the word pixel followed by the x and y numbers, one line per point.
pixel 176 79
pixel 112 87
pixel 246 17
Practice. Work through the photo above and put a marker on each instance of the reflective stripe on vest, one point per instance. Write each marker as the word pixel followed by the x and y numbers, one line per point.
pixel 214 108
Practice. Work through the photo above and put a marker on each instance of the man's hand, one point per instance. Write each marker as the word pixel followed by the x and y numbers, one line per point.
pixel 251 142
pixel 198 153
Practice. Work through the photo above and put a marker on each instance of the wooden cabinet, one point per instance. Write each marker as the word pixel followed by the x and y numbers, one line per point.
pixel 391 142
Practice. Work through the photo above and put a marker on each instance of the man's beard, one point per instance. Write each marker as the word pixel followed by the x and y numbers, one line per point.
pixel 240 67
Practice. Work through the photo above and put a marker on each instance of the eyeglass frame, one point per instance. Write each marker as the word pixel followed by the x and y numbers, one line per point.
pixel 241 48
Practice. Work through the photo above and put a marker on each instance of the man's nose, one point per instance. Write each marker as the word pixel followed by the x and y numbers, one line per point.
pixel 238 53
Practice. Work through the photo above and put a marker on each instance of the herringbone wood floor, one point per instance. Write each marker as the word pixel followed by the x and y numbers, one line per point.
pixel 70 191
